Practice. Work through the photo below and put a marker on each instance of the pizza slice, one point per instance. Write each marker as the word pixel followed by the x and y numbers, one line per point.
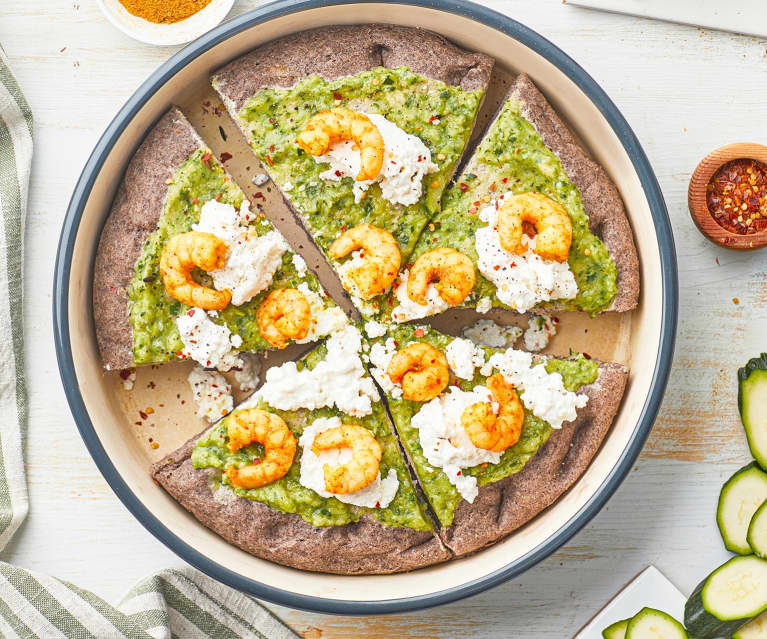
pixel 308 472
pixel 531 222
pixel 495 436
pixel 185 269
pixel 361 127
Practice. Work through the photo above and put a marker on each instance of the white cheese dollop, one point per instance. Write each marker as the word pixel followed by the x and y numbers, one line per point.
pixel 408 309
pixel 542 393
pixel 540 330
pixel 484 305
pixel 325 321
pixel 253 259
pixel 378 494
pixel 486 332
pixel 248 375
pixel 463 357
pixel 521 281
pixel 375 329
pixel 212 394
pixel 338 380
pixel 299 263
pixel 406 161
pixel 444 441
pixel 206 342
pixel 380 357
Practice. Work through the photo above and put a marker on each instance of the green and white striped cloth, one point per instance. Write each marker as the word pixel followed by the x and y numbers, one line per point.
pixel 172 603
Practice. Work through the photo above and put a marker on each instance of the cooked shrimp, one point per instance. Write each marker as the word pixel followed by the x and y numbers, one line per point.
pixel 358 472
pixel 421 369
pixel 180 255
pixel 380 256
pixel 285 314
pixel 452 273
pixel 488 430
pixel 554 230
pixel 254 425
pixel 327 127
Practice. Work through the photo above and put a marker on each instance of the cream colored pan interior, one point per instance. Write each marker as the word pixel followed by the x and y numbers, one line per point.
pixel 160 406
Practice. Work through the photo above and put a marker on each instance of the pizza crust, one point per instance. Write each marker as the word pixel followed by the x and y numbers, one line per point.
pixel 134 215
pixel 364 547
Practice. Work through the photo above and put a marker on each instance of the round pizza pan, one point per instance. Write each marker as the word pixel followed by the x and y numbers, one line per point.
pixel 94 400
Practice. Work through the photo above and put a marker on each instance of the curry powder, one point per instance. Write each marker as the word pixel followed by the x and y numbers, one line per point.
pixel 164 11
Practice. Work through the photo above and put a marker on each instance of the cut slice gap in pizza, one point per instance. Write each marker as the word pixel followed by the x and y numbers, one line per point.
pixel 295 519
pixel 531 222
pixel 351 89
pixel 177 203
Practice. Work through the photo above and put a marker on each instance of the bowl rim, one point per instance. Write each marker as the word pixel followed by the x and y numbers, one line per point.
pixel 669 307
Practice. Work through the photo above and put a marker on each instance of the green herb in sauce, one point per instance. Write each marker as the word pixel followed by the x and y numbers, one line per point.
pixel 152 311
pixel 289 496
pixel 440 115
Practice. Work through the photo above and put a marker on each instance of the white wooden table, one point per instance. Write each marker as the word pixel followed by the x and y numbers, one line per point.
pixel 76 71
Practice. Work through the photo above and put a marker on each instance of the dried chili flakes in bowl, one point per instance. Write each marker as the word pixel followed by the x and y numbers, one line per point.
pixel 737 196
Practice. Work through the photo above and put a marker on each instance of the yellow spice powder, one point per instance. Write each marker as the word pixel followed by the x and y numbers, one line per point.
pixel 164 11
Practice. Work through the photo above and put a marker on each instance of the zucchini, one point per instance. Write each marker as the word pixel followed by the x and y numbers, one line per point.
pixel 757 532
pixel 650 623
pixel 756 629
pixel 741 495
pixel 616 630
pixel 752 404
pixel 728 598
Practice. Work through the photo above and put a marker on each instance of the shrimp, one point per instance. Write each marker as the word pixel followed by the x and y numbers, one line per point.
pixel 421 369
pixel 490 431
pixel 361 470
pixel 254 425
pixel 180 255
pixel 452 273
pixel 554 230
pixel 327 127
pixel 380 256
pixel 285 314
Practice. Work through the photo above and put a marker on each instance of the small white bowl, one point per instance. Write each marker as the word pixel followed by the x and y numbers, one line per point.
pixel 166 34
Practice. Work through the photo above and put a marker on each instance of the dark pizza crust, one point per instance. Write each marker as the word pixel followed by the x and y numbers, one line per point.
pixel 365 547
pixel 504 506
pixel 603 203
pixel 134 216
pixel 341 50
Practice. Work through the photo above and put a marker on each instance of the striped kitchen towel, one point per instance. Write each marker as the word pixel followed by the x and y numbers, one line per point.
pixel 172 603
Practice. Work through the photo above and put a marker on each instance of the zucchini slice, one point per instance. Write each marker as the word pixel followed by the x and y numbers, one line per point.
pixel 728 598
pixel 755 629
pixel 752 404
pixel 616 630
pixel 650 623
pixel 757 532
pixel 741 495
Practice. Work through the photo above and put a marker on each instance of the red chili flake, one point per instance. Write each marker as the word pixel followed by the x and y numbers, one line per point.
pixel 206 159
pixel 504 180
pixel 378 504
pixel 463 186
pixel 218 197
pixel 337 96
pixel 396 345
pixel 190 312
pixel 492 186
pixel 458 473
pixel 225 156
pixel 432 118
pixel 271 120
pixel 256 461
pixel 195 201
pixel 476 202
pixel 737 197
pixel 269 160
pixel 142 414
pixel 271 148
pixel 419 332
pixel 126 373
pixel 587 356
pixel 338 173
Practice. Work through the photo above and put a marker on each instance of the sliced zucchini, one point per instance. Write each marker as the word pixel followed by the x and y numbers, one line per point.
pixel 728 598
pixel 757 532
pixel 616 630
pixel 752 404
pixel 756 629
pixel 741 495
pixel 650 623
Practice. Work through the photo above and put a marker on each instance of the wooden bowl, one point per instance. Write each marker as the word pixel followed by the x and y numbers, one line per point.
pixel 696 195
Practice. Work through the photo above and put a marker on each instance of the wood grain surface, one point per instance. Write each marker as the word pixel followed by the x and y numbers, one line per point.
pixel 685 92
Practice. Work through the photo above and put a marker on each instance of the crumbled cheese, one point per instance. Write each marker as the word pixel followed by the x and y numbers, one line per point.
pixel 129 380
pixel 299 264
pixel 521 281
pixel 252 260
pixel 540 330
pixel 444 441
pixel 355 262
pixel 287 186
pixel 406 161
pixel 368 309
pixel 212 394
pixel 463 357
pixel 542 393
pixel 484 305
pixel 408 309
pixel 338 380
pixel 375 329
pixel 380 357
pixel 378 494
pixel 487 333
pixel 248 375
pixel 325 321
pixel 206 342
